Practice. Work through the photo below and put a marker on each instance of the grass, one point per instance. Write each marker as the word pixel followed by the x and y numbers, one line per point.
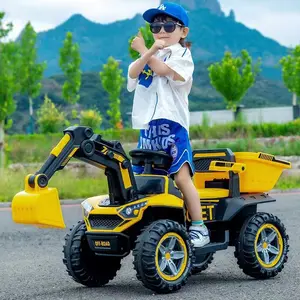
pixel 81 184
pixel 70 185
pixel 286 183
pixel 281 147
pixel 37 150
pixel 36 147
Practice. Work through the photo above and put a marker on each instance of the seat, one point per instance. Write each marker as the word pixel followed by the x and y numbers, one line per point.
pixel 151 159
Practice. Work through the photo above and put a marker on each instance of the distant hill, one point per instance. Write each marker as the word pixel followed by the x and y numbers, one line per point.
pixel 212 33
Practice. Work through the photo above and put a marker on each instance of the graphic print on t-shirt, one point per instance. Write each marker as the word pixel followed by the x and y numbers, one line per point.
pixel 146 77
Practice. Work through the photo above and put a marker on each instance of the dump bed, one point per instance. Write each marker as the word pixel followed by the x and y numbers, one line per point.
pixel 262 171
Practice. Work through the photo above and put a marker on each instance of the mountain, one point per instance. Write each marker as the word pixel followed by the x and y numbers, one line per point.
pixel 211 34
pixel 212 5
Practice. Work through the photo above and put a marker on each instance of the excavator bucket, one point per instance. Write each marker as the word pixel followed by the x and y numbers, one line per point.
pixel 39 206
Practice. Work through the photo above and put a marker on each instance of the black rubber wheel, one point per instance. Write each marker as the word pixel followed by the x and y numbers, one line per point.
pixel 262 247
pixel 207 260
pixel 82 264
pixel 163 256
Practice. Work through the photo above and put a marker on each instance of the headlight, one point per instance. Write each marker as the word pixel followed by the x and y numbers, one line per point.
pixel 133 210
pixel 104 202
pixel 87 207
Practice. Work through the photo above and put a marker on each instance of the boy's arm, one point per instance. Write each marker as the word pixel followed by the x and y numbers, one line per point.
pixel 138 44
pixel 161 69
pixel 139 64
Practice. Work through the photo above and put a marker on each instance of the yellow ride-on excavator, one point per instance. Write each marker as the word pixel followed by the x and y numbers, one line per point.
pixel 145 214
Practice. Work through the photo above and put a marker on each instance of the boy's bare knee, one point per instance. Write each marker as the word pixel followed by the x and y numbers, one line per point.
pixel 182 178
pixel 179 180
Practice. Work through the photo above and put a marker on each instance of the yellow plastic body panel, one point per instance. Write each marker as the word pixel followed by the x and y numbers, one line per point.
pixel 38 206
pixel 262 171
pixel 156 200
pixel 227 166
pixel 213 193
pixel 200 178
pixel 60 146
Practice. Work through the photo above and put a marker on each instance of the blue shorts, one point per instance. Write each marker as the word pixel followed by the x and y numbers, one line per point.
pixel 170 137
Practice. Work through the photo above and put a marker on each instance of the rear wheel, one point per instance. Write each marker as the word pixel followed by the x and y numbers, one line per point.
pixel 82 264
pixel 163 256
pixel 262 247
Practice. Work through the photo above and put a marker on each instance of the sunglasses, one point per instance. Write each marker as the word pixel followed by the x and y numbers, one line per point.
pixel 169 27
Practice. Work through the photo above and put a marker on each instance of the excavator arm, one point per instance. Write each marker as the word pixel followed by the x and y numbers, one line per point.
pixel 39 205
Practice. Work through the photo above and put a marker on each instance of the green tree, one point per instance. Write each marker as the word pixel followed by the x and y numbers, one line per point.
pixel 112 82
pixel 4 29
pixel 291 72
pixel 31 72
pixel 69 62
pixel 233 77
pixel 148 38
pixel 91 118
pixel 8 86
pixel 49 118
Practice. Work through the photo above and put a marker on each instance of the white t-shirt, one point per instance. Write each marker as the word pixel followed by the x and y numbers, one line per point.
pixel 160 97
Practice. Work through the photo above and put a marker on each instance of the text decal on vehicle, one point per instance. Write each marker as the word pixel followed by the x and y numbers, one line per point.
pixel 208 212
pixel 102 244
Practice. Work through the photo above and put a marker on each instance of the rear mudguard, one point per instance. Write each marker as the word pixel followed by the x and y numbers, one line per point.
pixel 228 208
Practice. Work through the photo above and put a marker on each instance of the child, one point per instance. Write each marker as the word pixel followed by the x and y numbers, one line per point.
pixel 162 80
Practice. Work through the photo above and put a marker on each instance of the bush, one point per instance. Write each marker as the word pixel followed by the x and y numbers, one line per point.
pixel 49 119
pixel 91 118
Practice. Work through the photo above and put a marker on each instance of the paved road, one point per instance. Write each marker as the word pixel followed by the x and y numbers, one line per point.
pixel 31 266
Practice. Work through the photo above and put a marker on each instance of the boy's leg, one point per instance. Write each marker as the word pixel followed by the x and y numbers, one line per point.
pixel 198 231
pixel 182 169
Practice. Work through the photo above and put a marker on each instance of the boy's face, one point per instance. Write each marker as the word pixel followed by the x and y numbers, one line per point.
pixel 170 38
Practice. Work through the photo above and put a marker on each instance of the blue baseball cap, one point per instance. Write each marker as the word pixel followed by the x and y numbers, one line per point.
pixel 170 9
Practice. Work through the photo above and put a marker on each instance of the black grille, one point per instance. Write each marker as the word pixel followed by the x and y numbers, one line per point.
pixel 105 221
pixel 203 164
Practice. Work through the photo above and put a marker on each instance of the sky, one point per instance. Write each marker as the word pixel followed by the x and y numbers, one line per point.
pixel 277 19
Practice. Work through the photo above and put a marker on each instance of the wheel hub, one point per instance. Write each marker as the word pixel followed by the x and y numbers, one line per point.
pixel 171 257
pixel 268 246
pixel 168 256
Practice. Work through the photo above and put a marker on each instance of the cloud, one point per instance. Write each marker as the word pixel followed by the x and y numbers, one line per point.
pixel 50 13
pixel 273 18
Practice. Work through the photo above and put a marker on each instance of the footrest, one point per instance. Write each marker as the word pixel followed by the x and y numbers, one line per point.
pixel 213 247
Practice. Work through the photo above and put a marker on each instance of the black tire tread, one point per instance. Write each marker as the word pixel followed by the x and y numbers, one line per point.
pixel 244 250
pixel 204 265
pixel 144 256
pixel 76 266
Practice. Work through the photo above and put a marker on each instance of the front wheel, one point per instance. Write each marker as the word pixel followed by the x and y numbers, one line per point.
pixel 204 264
pixel 82 264
pixel 262 247
pixel 163 256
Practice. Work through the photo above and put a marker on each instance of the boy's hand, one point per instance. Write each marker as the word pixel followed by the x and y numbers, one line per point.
pixel 158 44
pixel 138 44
